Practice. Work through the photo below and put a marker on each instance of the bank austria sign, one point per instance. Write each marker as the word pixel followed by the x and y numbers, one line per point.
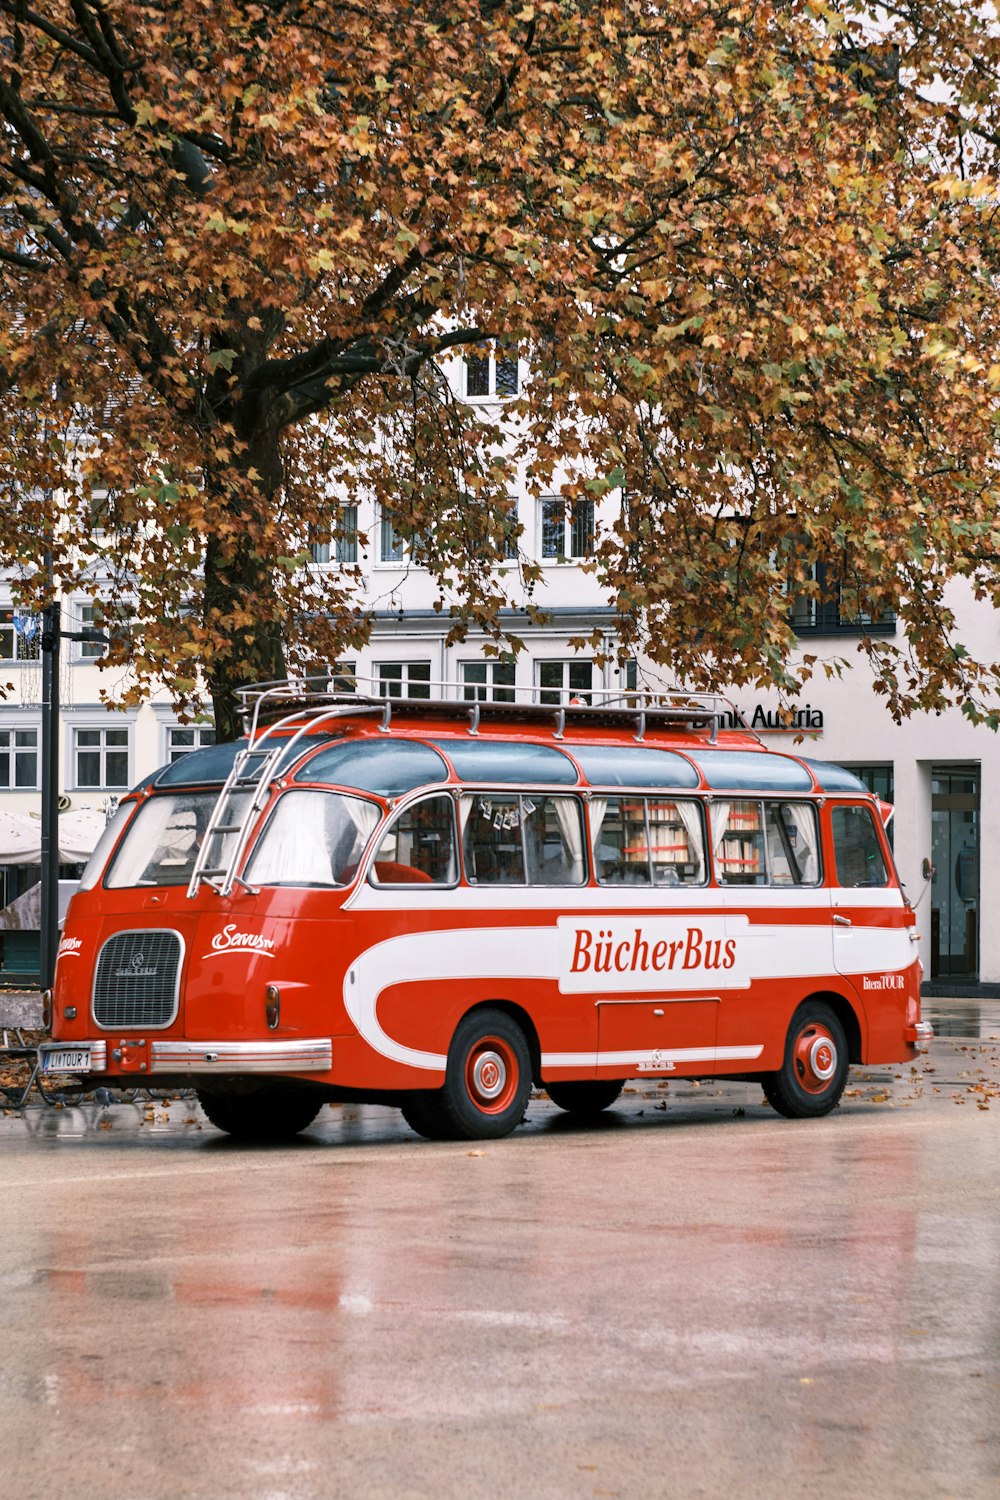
pixel 805 720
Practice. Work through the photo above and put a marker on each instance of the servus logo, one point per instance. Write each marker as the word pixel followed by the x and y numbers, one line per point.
pixel 231 940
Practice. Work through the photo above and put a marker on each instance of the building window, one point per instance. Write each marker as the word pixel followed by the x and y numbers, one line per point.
pixel 491 371
pixel 488 681
pixel 510 532
pixel 114 631
pixel 183 738
pixel 562 681
pixel 22 644
pixel 567 532
pixel 835 609
pixel 343 548
pixel 392 547
pixel 341 677
pixel 628 678
pixel 100 757
pixel 100 512
pixel 404 679
pixel 91 618
pixel 18 759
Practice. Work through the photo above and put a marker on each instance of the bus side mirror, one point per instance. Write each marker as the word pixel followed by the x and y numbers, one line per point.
pixel 927 869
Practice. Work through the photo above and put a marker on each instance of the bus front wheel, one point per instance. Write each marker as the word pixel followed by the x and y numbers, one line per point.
pixel 268 1114
pixel 811 1079
pixel 585 1097
pixel 486 1086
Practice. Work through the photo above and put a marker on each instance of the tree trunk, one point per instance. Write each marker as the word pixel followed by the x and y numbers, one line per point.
pixel 240 605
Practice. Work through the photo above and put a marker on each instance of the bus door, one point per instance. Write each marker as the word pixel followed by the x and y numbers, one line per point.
pixel 862 904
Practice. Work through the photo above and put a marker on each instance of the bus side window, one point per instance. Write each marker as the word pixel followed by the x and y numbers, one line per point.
pixel 420 847
pixel 492 846
pixel 792 843
pixel 621 845
pixel 553 840
pixel 738 842
pixel 643 840
pixel 856 848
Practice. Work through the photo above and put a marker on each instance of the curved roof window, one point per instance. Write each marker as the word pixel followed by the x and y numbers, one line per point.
pixel 213 763
pixel 836 778
pixel 198 767
pixel 751 771
pixel 508 763
pixel 385 767
pixel 633 765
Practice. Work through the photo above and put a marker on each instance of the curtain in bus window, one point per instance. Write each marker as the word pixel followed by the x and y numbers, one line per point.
pixel 553 840
pixel 805 843
pixel 621 843
pixel 689 814
pixel 738 842
pixel 491 843
pixel 313 838
pixel 165 834
pixel 597 809
pixel 567 811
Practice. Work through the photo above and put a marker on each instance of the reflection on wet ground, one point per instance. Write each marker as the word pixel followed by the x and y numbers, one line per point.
pixel 963 1018
pixel 691 1297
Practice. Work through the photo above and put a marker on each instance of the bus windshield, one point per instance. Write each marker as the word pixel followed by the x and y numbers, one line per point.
pixel 313 838
pixel 162 841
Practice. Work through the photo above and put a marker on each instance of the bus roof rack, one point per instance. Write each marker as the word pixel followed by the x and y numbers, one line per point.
pixel 264 703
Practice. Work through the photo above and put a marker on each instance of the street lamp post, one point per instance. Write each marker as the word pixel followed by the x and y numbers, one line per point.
pixel 52 637
pixel 49 937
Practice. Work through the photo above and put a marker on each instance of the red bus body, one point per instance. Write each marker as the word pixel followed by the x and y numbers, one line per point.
pixel 663 934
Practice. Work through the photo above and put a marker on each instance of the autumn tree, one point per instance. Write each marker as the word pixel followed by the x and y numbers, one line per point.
pixel 748 250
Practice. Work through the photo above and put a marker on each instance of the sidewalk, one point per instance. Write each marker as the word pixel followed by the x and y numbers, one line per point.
pixel 21 1008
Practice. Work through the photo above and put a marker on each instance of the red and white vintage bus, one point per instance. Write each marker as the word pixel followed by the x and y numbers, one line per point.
pixel 436 905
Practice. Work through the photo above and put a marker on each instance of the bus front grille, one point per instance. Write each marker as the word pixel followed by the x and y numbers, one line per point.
pixel 137 979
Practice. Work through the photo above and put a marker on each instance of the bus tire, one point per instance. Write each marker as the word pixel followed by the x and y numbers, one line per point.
pixel 586 1096
pixel 424 1113
pixel 488 1078
pixel 266 1115
pixel 811 1079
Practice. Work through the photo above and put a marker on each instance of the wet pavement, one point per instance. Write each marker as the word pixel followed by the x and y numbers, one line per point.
pixel 691 1298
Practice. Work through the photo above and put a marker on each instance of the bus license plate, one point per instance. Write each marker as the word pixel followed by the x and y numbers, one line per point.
pixel 66 1060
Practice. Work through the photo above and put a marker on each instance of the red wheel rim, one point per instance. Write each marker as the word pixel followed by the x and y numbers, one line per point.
pixel 491 1075
pixel 815 1058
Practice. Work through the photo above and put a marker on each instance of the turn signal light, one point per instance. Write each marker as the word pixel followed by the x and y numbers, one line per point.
pixel 47 1010
pixel 272 1007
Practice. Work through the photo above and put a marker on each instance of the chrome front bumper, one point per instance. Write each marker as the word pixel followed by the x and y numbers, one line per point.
pixel 137 1056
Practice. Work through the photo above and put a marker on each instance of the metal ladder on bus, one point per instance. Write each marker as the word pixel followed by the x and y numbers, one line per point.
pixel 227 818
pixel 266 755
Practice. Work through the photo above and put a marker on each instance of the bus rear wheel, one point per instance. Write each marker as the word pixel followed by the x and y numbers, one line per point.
pixel 811 1079
pixel 585 1097
pixel 265 1115
pixel 486 1087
